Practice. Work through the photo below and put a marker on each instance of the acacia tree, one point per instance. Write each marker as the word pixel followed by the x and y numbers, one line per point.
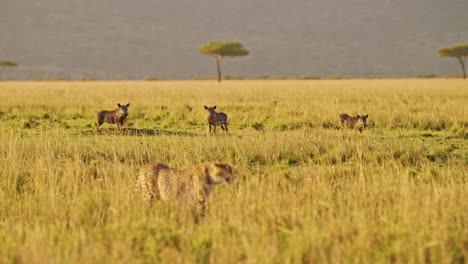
pixel 219 50
pixel 459 51
pixel 4 64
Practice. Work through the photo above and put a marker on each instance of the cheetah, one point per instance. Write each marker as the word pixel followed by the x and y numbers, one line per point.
pixel 158 181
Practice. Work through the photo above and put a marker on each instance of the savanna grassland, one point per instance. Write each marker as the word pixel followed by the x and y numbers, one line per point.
pixel 306 191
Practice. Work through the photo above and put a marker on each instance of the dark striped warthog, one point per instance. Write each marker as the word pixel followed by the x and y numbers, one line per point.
pixel 216 119
pixel 359 121
pixel 116 116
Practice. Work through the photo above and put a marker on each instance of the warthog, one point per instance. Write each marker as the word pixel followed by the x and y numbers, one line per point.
pixel 358 121
pixel 116 116
pixel 216 119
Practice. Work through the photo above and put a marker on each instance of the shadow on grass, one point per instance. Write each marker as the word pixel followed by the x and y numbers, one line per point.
pixel 138 132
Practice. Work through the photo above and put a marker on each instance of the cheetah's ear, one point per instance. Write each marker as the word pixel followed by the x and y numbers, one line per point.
pixel 218 164
pixel 223 166
pixel 201 169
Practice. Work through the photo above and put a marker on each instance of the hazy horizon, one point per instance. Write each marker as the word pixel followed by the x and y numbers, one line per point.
pixel 142 38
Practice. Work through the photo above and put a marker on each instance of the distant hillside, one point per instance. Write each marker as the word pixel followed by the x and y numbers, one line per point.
pixel 137 38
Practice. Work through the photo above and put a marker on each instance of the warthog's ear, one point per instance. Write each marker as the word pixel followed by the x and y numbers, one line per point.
pixel 128 105
pixel 214 107
pixel 359 116
pixel 206 107
pixel 366 116
pixel 118 104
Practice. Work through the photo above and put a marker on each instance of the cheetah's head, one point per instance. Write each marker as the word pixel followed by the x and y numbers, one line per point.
pixel 220 173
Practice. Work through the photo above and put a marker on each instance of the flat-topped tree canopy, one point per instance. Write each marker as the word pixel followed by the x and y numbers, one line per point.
pixel 224 49
pixel 459 51
pixel 7 64
pixel 4 64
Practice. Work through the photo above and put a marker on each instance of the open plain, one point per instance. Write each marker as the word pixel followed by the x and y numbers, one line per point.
pixel 305 189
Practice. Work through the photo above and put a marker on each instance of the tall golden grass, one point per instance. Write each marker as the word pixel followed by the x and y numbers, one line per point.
pixel 306 191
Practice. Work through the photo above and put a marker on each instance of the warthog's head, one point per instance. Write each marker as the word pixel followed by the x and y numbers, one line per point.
pixel 123 110
pixel 362 122
pixel 211 110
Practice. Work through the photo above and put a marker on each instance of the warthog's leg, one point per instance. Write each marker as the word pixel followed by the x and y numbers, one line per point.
pixel 98 124
pixel 224 127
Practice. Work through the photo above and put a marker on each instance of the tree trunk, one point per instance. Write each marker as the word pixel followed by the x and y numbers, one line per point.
pixel 462 63
pixel 218 68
